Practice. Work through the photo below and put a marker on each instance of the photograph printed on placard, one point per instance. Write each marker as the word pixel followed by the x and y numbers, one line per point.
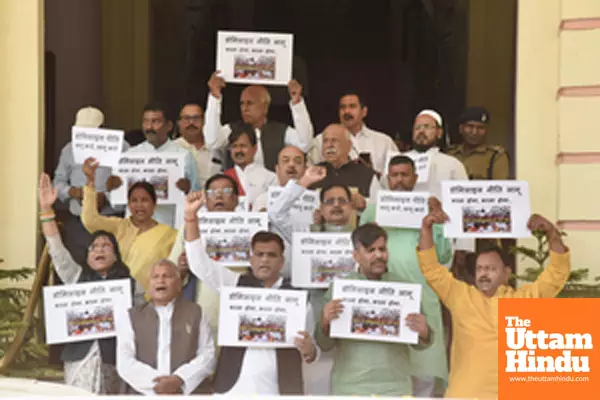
pixel 88 321
pixel 262 328
pixel 254 67
pixel 228 249
pixel 488 219
pixel 325 269
pixel 375 321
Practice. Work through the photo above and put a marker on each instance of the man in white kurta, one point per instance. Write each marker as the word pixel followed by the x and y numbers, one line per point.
pixel 162 377
pixel 352 113
pixel 254 107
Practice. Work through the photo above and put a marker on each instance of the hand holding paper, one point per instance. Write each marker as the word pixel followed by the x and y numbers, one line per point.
pixel 184 185
pixel 89 169
pixel 358 202
pixel 418 323
pixel 113 182
pixel 305 346
pixel 331 311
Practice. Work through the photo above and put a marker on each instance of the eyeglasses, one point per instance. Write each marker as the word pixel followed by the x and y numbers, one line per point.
pixel 342 201
pixel 191 118
pixel 96 247
pixel 219 192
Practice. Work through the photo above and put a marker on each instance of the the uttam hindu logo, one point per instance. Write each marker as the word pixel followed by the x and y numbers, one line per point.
pixel 526 344
pixel 547 349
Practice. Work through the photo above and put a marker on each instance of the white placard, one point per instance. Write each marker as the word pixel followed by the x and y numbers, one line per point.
pixel 318 258
pixel 401 209
pixel 227 235
pixel 255 58
pixel 162 170
pixel 486 209
pixel 105 145
pixel 422 163
pixel 84 311
pixel 303 208
pixel 376 310
pixel 257 317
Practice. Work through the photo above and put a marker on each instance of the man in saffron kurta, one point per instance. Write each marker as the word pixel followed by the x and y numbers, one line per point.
pixel 474 356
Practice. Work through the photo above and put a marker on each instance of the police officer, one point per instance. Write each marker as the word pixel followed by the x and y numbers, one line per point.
pixel 481 160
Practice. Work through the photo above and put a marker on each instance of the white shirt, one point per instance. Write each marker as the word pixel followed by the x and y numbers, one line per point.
pixel 216 135
pixel 367 140
pixel 444 168
pixel 258 373
pixel 205 165
pixel 255 179
pixel 165 213
pixel 140 376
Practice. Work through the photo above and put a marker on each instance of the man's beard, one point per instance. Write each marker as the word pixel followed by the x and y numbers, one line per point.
pixel 423 147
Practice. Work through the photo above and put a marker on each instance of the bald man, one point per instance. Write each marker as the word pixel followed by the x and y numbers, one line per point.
pixel 254 106
pixel 341 170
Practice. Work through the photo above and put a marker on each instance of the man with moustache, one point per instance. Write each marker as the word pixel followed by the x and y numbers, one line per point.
pixel 189 125
pixel 474 309
pixel 343 171
pixel 252 179
pixel 164 346
pixel 157 126
pixel 367 143
pixel 221 195
pixel 271 136
pixel 291 164
pixel 370 368
pixel 251 371
pixel 429 367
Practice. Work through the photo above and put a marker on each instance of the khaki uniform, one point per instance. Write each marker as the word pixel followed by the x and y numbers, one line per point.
pixel 485 162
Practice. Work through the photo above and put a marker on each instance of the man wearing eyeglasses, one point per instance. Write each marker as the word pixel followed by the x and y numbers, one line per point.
pixel 221 195
pixel 189 125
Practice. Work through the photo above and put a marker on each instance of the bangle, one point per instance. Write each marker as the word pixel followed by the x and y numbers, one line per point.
pixel 47 214
pixel 48 219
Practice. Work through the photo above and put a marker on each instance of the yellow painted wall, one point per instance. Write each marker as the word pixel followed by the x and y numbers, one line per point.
pixel 21 119
pixel 548 59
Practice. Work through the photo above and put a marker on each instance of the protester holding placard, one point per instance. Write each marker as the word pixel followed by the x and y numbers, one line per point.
pixel 165 346
pixel 369 367
pixel 291 164
pixel 142 239
pixel 70 179
pixel 341 170
pixel 252 179
pixel 221 196
pixel 474 309
pixel 88 364
pixel 190 125
pixel 368 145
pixel 429 366
pixel 251 371
pixel 254 106
pixel 157 125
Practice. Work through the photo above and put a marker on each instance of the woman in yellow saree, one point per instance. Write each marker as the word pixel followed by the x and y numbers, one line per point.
pixel 141 239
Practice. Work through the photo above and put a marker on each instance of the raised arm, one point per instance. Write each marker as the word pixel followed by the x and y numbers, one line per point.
pixel 303 131
pixel 442 282
pixel 90 217
pixel 68 270
pixel 555 275
pixel 215 135
pixel 201 265
pixel 279 213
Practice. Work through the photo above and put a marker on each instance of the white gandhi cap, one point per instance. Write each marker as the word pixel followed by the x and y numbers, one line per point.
pixel 433 114
pixel 89 117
